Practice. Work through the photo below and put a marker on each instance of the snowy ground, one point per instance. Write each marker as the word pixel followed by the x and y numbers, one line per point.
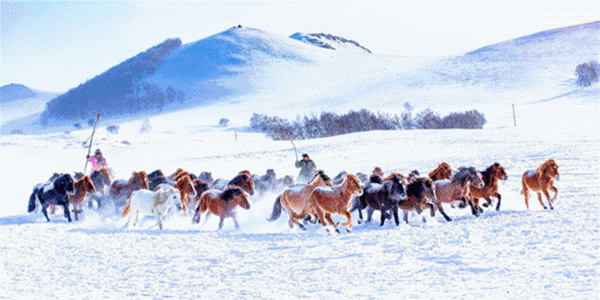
pixel 514 253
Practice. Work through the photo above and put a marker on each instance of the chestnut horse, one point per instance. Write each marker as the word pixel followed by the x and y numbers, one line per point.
pixel 443 171
pixel 458 189
pixel 185 186
pixel 295 199
pixel 120 190
pixel 327 200
pixel 541 181
pixel 222 204
pixel 490 176
pixel 420 195
pixel 83 186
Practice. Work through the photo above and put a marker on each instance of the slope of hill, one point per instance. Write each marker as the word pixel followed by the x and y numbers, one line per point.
pixel 14 91
pixel 329 41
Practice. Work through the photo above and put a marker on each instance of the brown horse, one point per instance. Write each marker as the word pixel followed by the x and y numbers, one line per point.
pixel 295 199
pixel 326 200
pixel 82 186
pixel 222 204
pixel 458 189
pixel 185 186
pixel 404 179
pixel 490 176
pixel 101 179
pixel 541 181
pixel 420 195
pixel 179 173
pixel 120 190
pixel 443 171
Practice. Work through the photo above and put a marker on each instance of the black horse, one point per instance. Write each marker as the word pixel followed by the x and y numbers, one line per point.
pixel 383 197
pixel 53 193
pixel 155 178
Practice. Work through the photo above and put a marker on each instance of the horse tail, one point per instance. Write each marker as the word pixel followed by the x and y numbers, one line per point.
pixel 276 210
pixel 126 209
pixel 32 200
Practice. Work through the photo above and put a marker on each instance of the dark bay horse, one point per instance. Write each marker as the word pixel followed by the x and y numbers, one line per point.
pixel 383 197
pixel 490 177
pixel 420 195
pixel 56 192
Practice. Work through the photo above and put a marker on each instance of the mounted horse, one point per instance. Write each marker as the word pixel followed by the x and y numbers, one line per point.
pixel 295 199
pixel 541 180
pixel 222 204
pixel 120 190
pixel 326 200
pixel 383 197
pixel 157 203
pixel 56 192
pixel 458 189
pixel 420 195
pixel 490 177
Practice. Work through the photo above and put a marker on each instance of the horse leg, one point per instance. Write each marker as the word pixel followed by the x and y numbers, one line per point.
pixel 432 210
pixel 66 209
pixel 441 209
pixel 395 214
pixel 555 190
pixel 221 222
pixel 348 223
pixel 405 217
pixel 499 200
pixel 45 211
pixel 540 199
pixel 369 214
pixel 382 218
pixel 330 220
pixel 159 221
pixel 474 209
pixel 235 222
pixel 360 216
pixel 548 198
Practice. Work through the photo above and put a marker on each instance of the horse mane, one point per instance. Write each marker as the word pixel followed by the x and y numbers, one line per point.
pixel 229 193
pixel 375 178
pixel 543 169
pixel 321 174
pixel 415 187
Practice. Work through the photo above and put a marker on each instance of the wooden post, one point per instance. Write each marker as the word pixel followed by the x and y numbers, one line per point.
pixel 514 116
pixel 235 134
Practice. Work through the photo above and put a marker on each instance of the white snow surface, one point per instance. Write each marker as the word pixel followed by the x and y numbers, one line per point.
pixel 514 253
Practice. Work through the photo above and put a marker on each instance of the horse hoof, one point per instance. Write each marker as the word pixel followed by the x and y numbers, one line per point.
pixel 348 230
pixel 337 230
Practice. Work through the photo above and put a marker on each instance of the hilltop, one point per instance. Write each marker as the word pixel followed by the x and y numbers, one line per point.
pixel 14 91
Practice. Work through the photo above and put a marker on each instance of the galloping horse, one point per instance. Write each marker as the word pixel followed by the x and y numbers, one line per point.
pixel 149 202
pixel 490 177
pixel 185 186
pixel 443 171
pixel 383 197
pixel 295 199
pixel 200 187
pixel 55 192
pixel 120 190
pixel 420 195
pixel 102 181
pixel 222 204
pixel 458 189
pixel 540 181
pixel 326 200
pixel 155 178
pixel 82 186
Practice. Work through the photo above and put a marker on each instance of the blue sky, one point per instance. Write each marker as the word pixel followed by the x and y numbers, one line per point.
pixel 55 46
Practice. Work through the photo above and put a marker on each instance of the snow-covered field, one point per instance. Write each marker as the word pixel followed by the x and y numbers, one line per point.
pixel 514 253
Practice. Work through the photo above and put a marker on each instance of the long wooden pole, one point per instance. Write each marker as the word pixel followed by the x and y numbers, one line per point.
pixel 295 151
pixel 91 140
pixel 514 115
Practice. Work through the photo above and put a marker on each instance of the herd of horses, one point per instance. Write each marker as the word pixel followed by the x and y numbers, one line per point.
pixel 316 201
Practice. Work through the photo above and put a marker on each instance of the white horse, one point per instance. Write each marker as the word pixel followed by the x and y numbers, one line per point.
pixel 152 203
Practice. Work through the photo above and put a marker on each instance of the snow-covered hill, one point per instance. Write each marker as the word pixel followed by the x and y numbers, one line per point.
pixel 329 41
pixel 514 253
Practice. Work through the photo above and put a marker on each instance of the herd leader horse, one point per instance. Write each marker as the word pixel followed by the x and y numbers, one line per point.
pixel 541 180
pixel 327 200
pixel 490 177
pixel 458 189
pixel 295 199
pixel 54 192
pixel 222 204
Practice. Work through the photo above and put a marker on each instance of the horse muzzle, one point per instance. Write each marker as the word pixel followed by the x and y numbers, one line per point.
pixel 557 177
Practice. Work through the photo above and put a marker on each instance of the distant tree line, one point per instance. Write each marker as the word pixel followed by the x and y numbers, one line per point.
pixel 587 73
pixel 330 124
pixel 118 90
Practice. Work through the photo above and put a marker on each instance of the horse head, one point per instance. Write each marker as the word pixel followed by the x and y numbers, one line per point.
pixel 65 185
pixel 244 181
pixel 549 169
pixel 353 185
pixel 186 185
pixel 87 184
pixel 320 179
pixel 423 189
pixel 497 171
pixel 395 188
pixel 140 180
pixel 443 171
